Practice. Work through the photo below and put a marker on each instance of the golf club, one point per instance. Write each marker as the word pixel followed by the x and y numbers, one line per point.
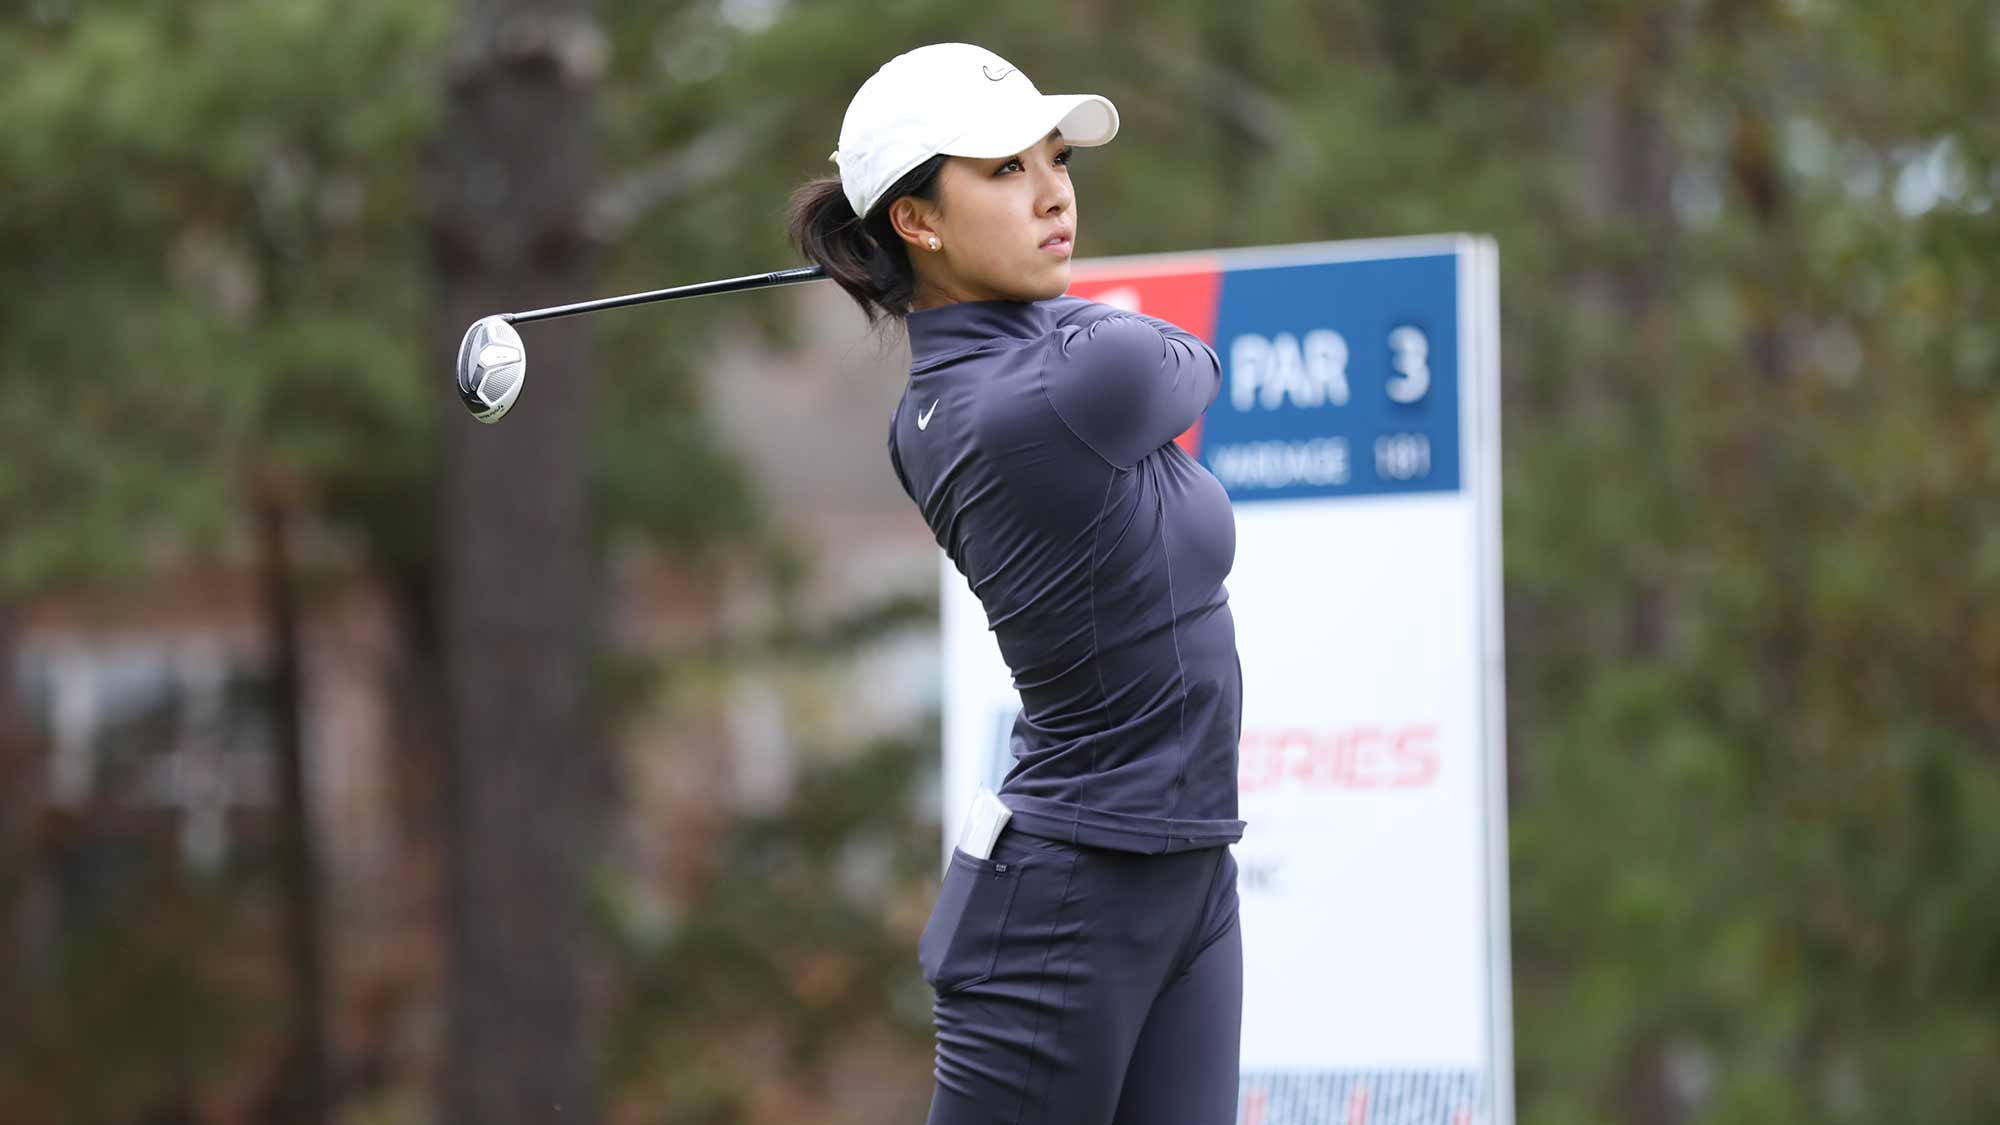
pixel 493 363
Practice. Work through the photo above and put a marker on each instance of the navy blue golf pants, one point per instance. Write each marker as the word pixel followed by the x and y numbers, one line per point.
pixel 1084 986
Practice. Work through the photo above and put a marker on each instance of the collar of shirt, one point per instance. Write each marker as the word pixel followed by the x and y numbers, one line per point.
pixel 939 333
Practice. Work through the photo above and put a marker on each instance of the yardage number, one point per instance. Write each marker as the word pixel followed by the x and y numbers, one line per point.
pixel 1403 456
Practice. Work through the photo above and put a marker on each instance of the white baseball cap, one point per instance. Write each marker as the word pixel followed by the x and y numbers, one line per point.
pixel 956 99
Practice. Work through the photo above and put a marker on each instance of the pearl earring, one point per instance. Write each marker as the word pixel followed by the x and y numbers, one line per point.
pixel 934 242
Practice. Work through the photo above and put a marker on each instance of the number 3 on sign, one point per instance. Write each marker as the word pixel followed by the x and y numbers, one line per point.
pixel 1409 354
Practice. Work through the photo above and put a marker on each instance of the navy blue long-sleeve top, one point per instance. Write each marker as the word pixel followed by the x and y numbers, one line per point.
pixel 1037 440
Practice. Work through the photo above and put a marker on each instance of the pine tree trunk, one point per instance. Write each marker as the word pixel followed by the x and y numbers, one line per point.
pixel 303 1096
pixel 512 168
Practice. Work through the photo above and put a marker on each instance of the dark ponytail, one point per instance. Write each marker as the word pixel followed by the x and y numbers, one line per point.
pixel 864 257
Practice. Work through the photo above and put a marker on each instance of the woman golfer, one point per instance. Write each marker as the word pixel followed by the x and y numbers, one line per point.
pixel 1090 970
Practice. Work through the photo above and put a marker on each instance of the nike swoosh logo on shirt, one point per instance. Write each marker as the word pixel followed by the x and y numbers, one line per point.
pixel 924 419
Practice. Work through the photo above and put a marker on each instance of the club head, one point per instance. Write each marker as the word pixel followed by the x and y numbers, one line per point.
pixel 492 365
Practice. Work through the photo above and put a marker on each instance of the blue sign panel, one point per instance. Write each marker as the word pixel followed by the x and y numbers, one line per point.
pixel 1339 379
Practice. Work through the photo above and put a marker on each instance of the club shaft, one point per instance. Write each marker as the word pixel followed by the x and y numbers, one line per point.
pixel 699 289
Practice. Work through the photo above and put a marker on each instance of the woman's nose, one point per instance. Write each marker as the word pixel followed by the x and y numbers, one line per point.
pixel 1056 194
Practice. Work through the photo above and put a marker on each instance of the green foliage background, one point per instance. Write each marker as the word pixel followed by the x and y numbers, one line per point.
pixel 1750 260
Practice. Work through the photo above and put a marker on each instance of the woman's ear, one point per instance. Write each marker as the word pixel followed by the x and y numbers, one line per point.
pixel 914 221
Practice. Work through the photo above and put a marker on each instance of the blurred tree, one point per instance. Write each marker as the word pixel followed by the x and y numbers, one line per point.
pixel 515 159
pixel 230 197
pixel 204 298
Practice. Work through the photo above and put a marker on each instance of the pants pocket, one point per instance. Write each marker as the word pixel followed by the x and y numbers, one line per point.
pixel 962 939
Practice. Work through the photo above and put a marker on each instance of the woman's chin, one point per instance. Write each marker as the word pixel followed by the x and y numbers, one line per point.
pixel 1038 283
pixel 1052 281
